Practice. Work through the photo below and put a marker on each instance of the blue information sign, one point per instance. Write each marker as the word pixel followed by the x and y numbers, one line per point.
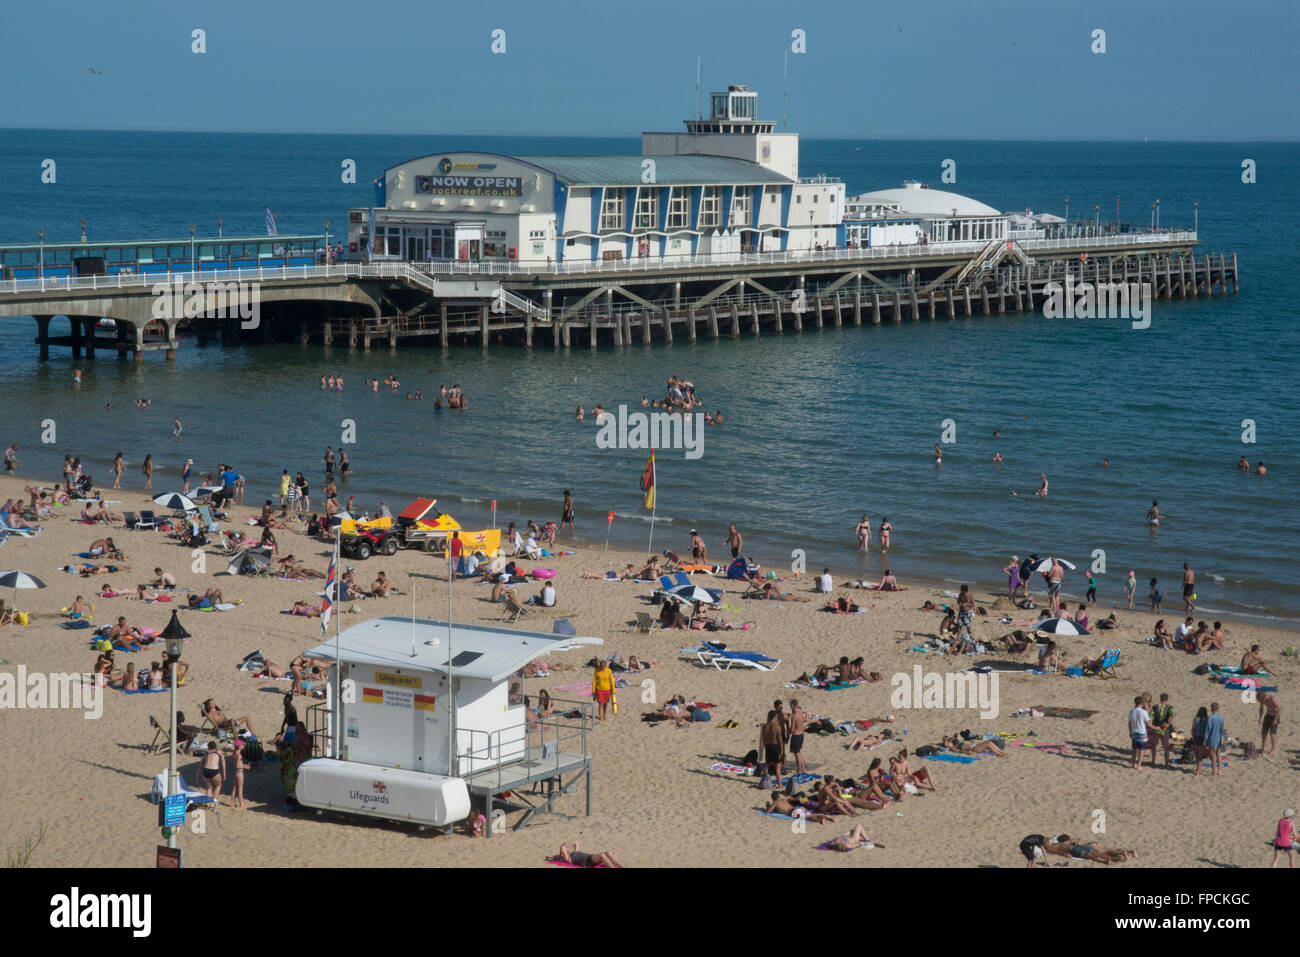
pixel 174 812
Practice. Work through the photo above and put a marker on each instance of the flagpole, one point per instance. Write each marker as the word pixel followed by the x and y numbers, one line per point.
pixel 451 695
pixel 338 662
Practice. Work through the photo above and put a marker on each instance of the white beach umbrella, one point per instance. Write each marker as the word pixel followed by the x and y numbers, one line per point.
pixel 203 490
pixel 1048 218
pixel 174 500
pixel 16 580
pixel 693 593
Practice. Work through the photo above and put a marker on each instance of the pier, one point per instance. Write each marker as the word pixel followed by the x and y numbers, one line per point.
pixel 594 303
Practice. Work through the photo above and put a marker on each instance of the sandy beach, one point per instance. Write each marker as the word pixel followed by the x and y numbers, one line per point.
pixel 656 804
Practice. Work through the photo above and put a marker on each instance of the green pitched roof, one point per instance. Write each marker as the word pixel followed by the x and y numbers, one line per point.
pixel 669 170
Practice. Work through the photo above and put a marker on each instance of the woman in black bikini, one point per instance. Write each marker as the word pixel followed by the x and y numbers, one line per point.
pixel 214 770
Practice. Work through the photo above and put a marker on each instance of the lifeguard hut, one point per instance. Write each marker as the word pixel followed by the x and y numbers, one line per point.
pixel 427 716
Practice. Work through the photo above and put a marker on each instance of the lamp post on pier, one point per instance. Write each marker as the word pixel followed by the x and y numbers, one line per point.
pixel 220 221
pixel 40 238
pixel 83 230
pixel 1067 215
pixel 1196 215
pixel 1097 209
pixel 1157 215
pixel 193 262
pixel 327 247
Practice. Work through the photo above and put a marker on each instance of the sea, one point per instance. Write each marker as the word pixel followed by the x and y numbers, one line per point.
pixel 820 426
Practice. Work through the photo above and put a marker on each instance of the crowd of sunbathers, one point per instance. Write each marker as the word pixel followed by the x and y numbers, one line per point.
pixel 843 673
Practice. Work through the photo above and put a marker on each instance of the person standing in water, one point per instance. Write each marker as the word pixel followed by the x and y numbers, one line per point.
pixel 1042 486
pixel 147 469
pixel 118 466
pixel 1189 589
pixel 938 454
pixel 864 533
pixel 885 531
pixel 1130 586
pixel 185 474
pixel 566 518
pixel 1153 514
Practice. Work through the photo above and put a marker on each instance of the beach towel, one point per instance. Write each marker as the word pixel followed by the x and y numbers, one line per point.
pixel 730 768
pixel 954 758
pixel 146 690
pixel 559 863
pixel 74 625
pixel 1052 711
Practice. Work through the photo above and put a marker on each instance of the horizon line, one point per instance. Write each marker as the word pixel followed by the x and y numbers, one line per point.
pixel 810 136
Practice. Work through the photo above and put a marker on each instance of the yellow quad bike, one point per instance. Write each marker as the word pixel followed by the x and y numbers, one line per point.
pixel 421 525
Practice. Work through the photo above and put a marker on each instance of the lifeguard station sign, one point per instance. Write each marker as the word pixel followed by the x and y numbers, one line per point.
pixel 460 185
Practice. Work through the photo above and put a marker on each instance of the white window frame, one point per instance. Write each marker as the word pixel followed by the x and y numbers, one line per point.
pixel 742 207
pixel 647 209
pixel 711 207
pixel 611 210
pixel 679 207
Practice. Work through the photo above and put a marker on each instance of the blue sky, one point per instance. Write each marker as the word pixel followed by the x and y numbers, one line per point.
pixel 1002 69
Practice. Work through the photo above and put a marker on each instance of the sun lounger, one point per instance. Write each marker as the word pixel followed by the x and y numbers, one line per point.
pixel 162 738
pixel 146 520
pixel 644 623
pixel 514 610
pixel 23 532
pixel 724 658
pixel 194 796
pixel 682 578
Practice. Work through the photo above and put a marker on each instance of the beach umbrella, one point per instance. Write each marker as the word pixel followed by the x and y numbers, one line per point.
pixel 203 490
pixel 175 501
pixel 16 580
pixel 1046 564
pixel 249 562
pixel 1060 626
pixel 1048 218
pixel 693 593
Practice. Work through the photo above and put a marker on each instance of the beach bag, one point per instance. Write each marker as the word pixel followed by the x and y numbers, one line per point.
pixel 925 750
pixel 699 714
pixel 1201 669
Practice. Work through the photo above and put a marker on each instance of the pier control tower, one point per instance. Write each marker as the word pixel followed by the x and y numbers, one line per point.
pixel 732 129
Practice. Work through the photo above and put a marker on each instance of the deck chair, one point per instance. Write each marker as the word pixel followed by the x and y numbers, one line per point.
pixel 131 520
pixel 1106 667
pixel 147 520
pixel 514 610
pixel 7 615
pixel 205 516
pixel 644 623
pixel 681 578
pixel 162 736
pixel 753 586
pixel 723 659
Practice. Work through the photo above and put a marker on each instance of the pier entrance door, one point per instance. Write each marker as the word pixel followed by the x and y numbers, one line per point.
pixel 416 245
pixel 469 241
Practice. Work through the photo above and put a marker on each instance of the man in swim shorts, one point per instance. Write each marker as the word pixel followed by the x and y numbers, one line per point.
pixel 770 738
pixel 798 721
pixel 1189 588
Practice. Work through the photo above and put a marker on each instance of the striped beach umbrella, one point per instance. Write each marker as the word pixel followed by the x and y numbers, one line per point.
pixel 1061 626
pixel 16 580
pixel 175 501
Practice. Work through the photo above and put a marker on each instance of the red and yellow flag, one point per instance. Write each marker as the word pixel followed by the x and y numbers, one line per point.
pixel 372 695
pixel 648 481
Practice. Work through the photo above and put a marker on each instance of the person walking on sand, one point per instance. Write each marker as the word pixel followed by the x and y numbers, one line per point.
pixel 1157 596
pixel 185 475
pixel 118 466
pixel 1162 718
pixel 602 686
pixel 864 533
pixel 147 469
pixel 1285 839
pixel 1270 716
pixel 1130 586
pixel 1189 589
pixel 1216 733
